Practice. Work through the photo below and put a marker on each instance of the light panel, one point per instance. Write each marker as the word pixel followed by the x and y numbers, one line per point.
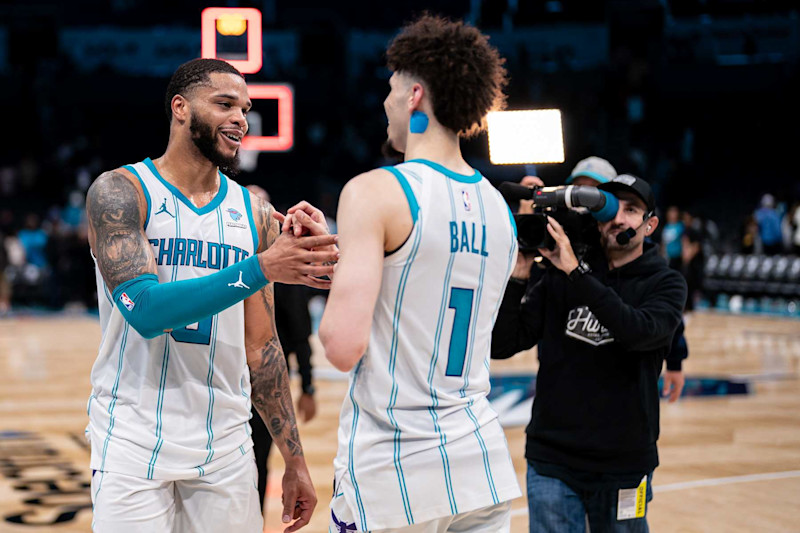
pixel 284 141
pixel 524 137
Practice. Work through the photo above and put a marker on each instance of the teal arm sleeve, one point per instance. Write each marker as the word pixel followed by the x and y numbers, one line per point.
pixel 151 307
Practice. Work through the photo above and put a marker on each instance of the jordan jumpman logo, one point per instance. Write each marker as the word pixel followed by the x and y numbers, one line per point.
pixel 163 209
pixel 239 284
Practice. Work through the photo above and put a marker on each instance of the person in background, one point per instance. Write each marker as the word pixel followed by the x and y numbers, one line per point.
pixel 671 237
pixel 769 225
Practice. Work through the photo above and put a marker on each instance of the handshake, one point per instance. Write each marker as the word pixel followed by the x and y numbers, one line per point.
pixel 304 252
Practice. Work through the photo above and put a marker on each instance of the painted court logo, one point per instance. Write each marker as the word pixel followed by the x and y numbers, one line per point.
pixel 236 216
pixel 584 326
pixel 465 199
pixel 127 302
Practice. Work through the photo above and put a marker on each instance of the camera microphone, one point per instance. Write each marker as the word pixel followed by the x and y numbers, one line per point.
pixel 602 205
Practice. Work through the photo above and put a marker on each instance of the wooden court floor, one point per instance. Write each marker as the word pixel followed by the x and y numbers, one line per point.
pixel 728 463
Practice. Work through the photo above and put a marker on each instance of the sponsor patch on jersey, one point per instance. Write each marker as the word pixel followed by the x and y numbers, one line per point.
pixel 127 302
pixel 236 216
pixel 584 326
pixel 465 198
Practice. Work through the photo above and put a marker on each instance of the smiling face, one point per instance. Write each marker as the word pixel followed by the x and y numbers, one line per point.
pixel 630 214
pixel 218 119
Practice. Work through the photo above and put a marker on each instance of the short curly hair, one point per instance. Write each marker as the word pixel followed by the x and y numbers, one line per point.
pixel 191 74
pixel 463 72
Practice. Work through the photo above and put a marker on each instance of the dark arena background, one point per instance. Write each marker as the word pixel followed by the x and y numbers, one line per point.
pixel 699 97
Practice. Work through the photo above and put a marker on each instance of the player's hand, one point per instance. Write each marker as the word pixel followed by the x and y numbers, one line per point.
pixel 297 227
pixel 526 206
pixel 299 260
pixel 674 380
pixel 562 256
pixel 299 498
pixel 306 407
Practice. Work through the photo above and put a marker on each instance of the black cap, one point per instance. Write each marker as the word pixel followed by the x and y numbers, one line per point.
pixel 630 183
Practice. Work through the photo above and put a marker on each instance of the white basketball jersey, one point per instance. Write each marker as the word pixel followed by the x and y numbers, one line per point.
pixel 418 439
pixel 176 406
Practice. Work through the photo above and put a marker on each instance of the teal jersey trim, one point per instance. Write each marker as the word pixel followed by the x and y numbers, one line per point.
pixel 351 458
pixel 432 369
pixel 253 232
pixel 398 306
pixel 412 199
pixel 132 170
pixel 223 190
pixel 159 407
pixel 513 222
pixel 113 404
pixel 463 178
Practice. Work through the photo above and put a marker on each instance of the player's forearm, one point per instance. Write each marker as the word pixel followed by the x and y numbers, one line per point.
pixel 269 380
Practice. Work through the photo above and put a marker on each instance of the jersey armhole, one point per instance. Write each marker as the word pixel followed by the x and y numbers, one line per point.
pixel 413 206
pixel 132 170
pixel 249 208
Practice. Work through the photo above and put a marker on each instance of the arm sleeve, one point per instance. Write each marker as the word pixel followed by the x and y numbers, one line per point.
pixel 519 323
pixel 679 349
pixel 152 307
pixel 647 327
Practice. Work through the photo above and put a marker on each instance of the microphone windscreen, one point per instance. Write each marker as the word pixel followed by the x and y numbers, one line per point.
pixel 625 237
pixel 515 191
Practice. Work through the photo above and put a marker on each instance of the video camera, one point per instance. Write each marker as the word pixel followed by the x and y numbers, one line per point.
pixel 564 204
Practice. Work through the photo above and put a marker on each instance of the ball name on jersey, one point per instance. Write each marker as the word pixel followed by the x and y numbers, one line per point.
pixel 463 238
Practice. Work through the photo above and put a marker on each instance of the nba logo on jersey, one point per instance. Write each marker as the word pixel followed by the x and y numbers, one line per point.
pixel 465 198
pixel 235 215
pixel 127 302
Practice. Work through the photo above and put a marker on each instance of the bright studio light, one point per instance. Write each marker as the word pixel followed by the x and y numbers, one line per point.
pixel 519 137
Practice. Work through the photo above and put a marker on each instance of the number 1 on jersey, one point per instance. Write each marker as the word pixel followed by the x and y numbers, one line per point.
pixel 461 301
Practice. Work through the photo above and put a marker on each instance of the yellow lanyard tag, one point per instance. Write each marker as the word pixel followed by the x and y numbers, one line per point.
pixel 631 503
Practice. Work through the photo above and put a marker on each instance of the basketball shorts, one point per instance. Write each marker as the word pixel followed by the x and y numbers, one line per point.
pixel 223 501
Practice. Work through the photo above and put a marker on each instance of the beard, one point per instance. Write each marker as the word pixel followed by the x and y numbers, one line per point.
pixel 204 139
pixel 390 153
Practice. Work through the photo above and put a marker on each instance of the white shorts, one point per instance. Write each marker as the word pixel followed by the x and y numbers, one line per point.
pixel 492 519
pixel 223 501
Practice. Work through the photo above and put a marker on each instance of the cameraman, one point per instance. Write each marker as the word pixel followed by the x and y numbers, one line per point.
pixel 603 330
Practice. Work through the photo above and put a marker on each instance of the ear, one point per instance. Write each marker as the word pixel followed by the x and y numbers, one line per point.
pixel 415 99
pixel 652 224
pixel 180 108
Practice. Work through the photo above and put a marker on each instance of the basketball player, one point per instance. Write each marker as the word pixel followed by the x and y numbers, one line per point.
pixel 427 248
pixel 184 259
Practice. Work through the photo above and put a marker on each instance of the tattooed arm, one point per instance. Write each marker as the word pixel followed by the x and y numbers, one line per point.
pixel 269 380
pixel 116 211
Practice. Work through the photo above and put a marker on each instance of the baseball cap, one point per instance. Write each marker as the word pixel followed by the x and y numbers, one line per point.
pixel 629 182
pixel 593 167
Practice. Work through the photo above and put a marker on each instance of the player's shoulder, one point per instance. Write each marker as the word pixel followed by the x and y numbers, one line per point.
pixel 119 183
pixel 372 185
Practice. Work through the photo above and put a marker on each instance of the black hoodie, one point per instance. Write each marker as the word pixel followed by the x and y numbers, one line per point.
pixel 602 341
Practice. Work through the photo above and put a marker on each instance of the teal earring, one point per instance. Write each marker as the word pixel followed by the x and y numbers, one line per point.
pixel 418 122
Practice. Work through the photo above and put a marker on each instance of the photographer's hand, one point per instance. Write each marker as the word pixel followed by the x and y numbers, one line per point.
pixel 522 270
pixel 526 206
pixel 562 256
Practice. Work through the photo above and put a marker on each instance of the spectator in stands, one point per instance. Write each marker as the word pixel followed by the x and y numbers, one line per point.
pixel 34 240
pixel 671 237
pixel 691 265
pixel 751 240
pixel 769 225
pixel 794 217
